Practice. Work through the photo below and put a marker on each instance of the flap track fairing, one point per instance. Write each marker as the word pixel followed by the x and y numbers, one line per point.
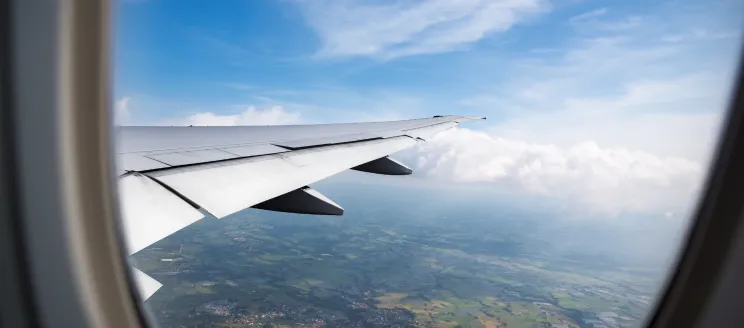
pixel 305 200
pixel 384 165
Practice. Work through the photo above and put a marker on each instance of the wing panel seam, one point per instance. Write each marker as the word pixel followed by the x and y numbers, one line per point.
pixel 157 160
pixel 244 157
pixel 175 192
pixel 326 144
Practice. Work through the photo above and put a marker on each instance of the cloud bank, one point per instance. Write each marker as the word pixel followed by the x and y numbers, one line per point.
pixel 606 181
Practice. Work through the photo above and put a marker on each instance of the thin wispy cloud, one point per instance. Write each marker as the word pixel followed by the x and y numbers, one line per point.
pixel 404 28
pixel 601 20
pixel 240 86
pixel 588 15
pixel 698 35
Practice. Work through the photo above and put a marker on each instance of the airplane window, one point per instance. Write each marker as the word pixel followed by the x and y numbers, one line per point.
pixel 247 199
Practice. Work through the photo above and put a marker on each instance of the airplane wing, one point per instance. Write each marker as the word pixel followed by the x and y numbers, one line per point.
pixel 171 177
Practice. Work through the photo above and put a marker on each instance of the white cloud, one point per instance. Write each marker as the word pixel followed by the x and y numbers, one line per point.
pixel 622 91
pixel 122 115
pixel 678 117
pixel 275 115
pixel 343 105
pixel 247 115
pixel 402 28
pixel 585 176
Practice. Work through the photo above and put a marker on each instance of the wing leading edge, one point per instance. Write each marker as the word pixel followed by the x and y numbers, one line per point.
pixel 171 177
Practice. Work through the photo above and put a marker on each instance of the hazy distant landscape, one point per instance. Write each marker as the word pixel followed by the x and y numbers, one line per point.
pixel 408 257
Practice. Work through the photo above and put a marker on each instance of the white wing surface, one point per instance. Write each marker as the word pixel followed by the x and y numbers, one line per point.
pixel 171 177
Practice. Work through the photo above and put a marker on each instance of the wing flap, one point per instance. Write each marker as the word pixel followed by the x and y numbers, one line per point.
pixel 151 212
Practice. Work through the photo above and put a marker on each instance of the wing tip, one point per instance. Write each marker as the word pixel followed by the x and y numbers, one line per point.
pixel 461 118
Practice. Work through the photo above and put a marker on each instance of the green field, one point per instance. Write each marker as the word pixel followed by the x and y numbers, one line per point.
pixel 337 273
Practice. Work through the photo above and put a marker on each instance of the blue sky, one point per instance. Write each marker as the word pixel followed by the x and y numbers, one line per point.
pixel 178 57
pixel 626 95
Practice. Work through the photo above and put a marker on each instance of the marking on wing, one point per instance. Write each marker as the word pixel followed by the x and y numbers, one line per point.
pixel 226 187
pixel 297 162
pixel 137 162
pixel 254 150
pixel 192 157
pixel 389 133
pixel 315 142
pixel 427 132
